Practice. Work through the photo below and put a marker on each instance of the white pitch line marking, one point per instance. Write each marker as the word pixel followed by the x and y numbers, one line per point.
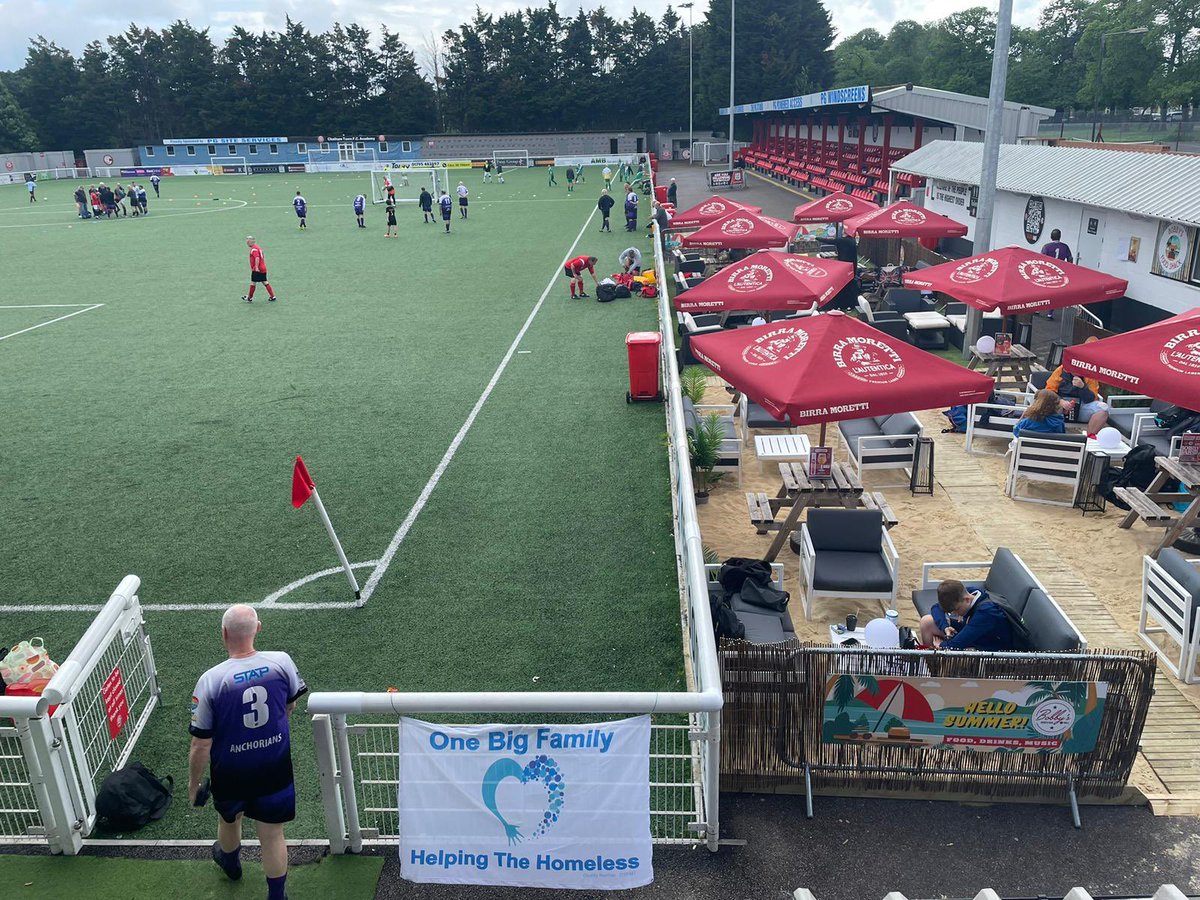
pixel 77 312
pixel 406 525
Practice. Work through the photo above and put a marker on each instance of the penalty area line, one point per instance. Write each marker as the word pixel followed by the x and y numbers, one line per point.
pixel 448 456
pixel 77 312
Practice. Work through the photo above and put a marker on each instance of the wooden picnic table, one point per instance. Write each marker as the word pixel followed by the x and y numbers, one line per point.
pixel 1153 506
pixel 1013 368
pixel 798 491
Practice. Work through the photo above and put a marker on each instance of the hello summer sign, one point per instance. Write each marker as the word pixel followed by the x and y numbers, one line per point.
pixel 551 806
pixel 990 715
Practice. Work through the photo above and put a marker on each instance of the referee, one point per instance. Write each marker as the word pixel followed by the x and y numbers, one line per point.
pixel 240 733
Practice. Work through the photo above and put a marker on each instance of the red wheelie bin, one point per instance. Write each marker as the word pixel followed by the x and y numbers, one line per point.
pixel 643 350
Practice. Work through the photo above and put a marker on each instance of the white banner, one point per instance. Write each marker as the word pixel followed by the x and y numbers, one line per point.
pixel 614 160
pixel 551 806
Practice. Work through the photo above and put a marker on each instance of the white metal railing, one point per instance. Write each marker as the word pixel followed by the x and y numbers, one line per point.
pixel 359 761
pixel 60 746
pixel 1165 892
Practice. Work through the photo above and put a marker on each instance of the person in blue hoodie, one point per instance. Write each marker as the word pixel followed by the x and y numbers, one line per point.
pixel 966 620
pixel 1042 416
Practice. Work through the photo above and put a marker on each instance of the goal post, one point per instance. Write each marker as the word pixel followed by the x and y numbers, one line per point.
pixel 433 176
pixel 512 159
pixel 228 165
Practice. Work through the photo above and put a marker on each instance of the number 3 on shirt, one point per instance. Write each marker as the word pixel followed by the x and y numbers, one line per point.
pixel 256 698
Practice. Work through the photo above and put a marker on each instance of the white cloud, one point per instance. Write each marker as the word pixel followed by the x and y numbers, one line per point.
pixel 72 23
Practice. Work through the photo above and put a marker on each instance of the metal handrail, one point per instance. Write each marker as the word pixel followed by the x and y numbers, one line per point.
pixel 74 669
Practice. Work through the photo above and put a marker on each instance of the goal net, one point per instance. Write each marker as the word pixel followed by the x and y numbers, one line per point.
pixel 413 176
pixel 228 165
pixel 512 159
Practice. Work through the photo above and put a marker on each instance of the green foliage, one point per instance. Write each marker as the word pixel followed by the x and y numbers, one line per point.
pixel 704 447
pixel 16 129
pixel 693 381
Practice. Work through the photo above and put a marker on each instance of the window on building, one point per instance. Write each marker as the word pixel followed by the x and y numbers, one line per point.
pixel 233 149
pixel 274 148
pixel 323 148
pixel 383 146
pixel 254 149
pixel 360 146
pixel 212 149
pixel 302 148
pixel 191 151
pixel 170 150
pixel 406 146
pixel 149 150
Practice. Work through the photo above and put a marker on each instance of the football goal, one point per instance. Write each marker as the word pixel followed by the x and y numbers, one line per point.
pixel 229 165
pixel 435 178
pixel 512 159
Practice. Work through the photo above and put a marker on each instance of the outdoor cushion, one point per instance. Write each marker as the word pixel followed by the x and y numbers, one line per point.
pixel 852 429
pixel 1039 379
pixel 1010 579
pixel 1048 628
pixel 1122 420
pixel 878 420
pixel 757 417
pixel 1157 406
pixel 739 606
pixel 850 571
pixel 1177 566
pixel 853 530
pixel 903 300
pixel 901 424
pixel 763 629
pixel 896 328
pixel 691 418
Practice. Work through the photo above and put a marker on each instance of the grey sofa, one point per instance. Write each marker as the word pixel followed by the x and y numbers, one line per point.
pixel 1171 598
pixel 763 626
pixel 881 442
pixel 1010 579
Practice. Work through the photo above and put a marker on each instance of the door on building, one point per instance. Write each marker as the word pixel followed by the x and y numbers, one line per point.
pixel 641 145
pixel 346 152
pixel 612 146
pixel 1090 246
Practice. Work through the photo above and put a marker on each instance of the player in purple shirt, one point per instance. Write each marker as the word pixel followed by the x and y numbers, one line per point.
pixel 360 206
pixel 1058 250
pixel 240 733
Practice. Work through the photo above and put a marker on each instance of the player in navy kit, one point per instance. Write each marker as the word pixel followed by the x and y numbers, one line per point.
pixel 447 206
pixel 360 207
pixel 240 733
pixel 301 209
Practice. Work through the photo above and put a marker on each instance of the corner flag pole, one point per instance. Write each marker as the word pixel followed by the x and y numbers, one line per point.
pixel 303 488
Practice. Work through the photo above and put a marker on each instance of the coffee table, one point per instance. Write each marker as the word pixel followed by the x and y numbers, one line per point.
pixel 781 448
pixel 929 328
pixel 837 639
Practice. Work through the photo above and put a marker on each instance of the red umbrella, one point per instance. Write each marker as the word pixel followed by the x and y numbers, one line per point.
pixel 833 208
pixel 1014 279
pixel 1160 360
pixel 743 230
pixel 709 211
pixel 768 280
pixel 900 698
pixel 904 220
pixel 831 367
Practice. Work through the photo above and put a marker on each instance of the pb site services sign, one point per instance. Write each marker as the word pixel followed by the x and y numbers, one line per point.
pixel 551 806
pixel 970 713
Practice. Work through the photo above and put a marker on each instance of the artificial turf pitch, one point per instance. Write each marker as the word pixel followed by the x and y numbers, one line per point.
pixel 156 433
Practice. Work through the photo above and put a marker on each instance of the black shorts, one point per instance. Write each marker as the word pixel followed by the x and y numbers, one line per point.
pixel 258 277
pixel 462 201
pixel 275 809
pixel 391 218
pixel 567 271
pixel 446 214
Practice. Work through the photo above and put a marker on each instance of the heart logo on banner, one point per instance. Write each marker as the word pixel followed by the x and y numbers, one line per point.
pixel 541 769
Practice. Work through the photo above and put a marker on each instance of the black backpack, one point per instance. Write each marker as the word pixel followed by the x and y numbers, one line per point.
pixel 1137 471
pixel 737 569
pixel 1022 636
pixel 132 797
pixel 606 293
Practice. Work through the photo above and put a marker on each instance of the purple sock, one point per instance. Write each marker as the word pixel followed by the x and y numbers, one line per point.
pixel 275 888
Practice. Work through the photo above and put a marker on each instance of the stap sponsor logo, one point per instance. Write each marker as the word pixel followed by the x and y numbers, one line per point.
pixel 868 360
pixel 776 346
pixel 737 227
pixel 751 278
pixel 1052 717
pixel 975 271
pixel 806 268
pixel 1043 273
pixel 1182 353
pixel 250 675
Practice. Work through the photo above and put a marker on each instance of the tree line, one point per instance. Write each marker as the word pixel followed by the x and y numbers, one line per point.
pixel 535 69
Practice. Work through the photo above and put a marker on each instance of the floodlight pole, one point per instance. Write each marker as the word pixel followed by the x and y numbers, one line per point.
pixel 691 94
pixel 991 159
pixel 1097 129
pixel 732 17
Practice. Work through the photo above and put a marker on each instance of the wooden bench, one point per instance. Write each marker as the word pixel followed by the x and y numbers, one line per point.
pixel 876 500
pixel 1146 508
pixel 761 514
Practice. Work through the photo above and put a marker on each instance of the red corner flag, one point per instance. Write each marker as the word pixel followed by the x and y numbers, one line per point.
pixel 302 484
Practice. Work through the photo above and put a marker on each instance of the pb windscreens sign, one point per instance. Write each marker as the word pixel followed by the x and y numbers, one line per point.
pixel 551 806
pixel 727 178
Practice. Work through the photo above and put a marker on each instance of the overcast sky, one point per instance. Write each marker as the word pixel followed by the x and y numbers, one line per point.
pixel 72 23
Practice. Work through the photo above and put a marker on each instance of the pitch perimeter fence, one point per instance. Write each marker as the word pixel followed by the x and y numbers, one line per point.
pixel 357 738
pixel 56 749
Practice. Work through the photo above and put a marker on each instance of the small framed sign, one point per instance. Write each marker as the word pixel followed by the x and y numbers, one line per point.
pixel 1003 343
pixel 820 462
pixel 1189 448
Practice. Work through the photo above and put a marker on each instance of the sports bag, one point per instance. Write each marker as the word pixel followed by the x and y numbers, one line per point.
pixel 623 293
pixel 132 797
pixel 26 663
pixel 736 570
pixel 606 293
pixel 1022 636
pixel 649 291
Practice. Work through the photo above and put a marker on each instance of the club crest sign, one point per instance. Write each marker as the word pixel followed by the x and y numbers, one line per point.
pixel 776 346
pixel 713 208
pixel 1182 353
pixel 1043 273
pixel 909 217
pixel 838 205
pixel 737 227
pixel 805 268
pixel 975 271
pixel 751 278
pixel 869 360
pixel 1035 219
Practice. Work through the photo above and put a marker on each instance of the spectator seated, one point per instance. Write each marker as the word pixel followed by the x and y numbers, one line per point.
pixel 1008 580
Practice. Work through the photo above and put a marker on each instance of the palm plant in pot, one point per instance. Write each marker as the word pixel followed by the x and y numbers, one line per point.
pixel 693 382
pixel 704 448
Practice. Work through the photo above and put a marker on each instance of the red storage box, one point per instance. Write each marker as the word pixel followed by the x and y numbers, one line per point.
pixel 660 194
pixel 643 350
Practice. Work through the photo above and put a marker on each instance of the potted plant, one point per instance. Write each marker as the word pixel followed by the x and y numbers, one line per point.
pixel 704 447
pixel 693 382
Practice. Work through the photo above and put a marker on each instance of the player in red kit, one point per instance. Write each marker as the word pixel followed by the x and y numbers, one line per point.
pixel 258 271
pixel 574 270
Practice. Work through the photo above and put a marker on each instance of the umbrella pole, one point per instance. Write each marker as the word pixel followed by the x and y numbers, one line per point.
pixel 887 703
pixel 822 444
